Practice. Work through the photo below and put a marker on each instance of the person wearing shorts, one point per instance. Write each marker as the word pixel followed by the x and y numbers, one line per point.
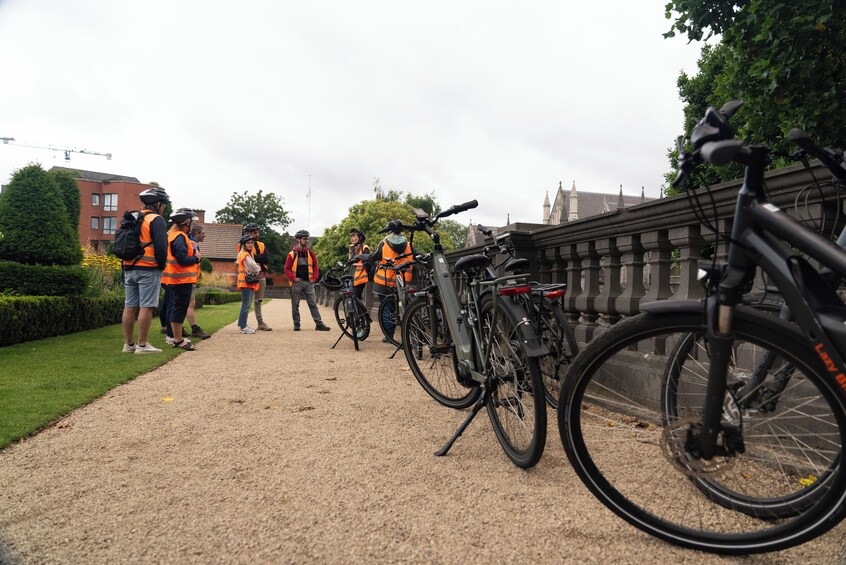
pixel 142 276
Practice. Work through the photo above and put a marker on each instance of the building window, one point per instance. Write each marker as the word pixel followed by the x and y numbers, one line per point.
pixel 95 200
pixel 109 226
pixel 110 202
pixel 95 223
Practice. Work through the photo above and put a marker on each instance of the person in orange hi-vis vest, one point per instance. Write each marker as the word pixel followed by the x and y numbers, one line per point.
pixel 181 273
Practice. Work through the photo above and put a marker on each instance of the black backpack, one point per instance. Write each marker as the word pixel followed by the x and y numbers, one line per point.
pixel 127 245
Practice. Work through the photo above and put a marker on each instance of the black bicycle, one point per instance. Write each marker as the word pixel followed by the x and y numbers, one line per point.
pixel 473 347
pixel 646 462
pixel 350 312
pixel 547 316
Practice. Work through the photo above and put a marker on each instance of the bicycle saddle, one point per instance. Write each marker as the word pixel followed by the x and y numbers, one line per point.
pixel 472 263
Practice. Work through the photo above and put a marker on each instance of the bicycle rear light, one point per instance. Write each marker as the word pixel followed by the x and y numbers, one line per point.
pixel 512 290
pixel 555 293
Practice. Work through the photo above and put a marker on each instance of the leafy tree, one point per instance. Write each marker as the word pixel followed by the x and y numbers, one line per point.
pixel 453 233
pixel 66 181
pixel 263 209
pixel 783 59
pixel 390 196
pixel 34 221
pixel 427 202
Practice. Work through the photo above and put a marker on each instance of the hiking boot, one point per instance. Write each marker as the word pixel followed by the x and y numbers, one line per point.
pixel 264 327
pixel 127 348
pixel 146 349
pixel 247 330
pixel 321 327
pixel 197 331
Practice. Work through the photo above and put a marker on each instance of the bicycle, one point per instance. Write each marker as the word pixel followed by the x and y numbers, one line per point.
pixel 547 316
pixel 478 348
pixel 638 458
pixel 755 394
pixel 391 309
pixel 350 312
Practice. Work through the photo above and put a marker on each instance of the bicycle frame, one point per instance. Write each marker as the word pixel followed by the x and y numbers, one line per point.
pixel 757 239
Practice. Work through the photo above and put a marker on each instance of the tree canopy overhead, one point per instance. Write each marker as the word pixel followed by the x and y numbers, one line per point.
pixel 783 59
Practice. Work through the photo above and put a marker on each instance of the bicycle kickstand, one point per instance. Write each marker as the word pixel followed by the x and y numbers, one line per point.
pixel 340 337
pixel 476 407
pixel 394 354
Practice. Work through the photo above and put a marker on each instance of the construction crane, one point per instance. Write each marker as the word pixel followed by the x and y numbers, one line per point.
pixel 66 150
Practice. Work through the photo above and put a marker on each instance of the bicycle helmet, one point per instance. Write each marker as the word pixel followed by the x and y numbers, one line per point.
pixel 332 283
pixel 302 233
pixel 251 227
pixel 183 215
pixel 153 195
pixel 244 239
pixel 359 233
pixel 394 226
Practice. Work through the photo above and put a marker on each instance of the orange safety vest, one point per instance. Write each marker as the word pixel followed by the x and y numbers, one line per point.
pixel 242 272
pixel 294 255
pixel 360 274
pixel 388 278
pixel 258 248
pixel 149 257
pixel 175 273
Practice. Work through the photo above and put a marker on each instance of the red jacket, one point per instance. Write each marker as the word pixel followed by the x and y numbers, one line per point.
pixel 291 267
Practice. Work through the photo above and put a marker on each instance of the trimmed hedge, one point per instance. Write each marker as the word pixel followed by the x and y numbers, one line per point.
pixel 213 297
pixel 39 280
pixel 27 318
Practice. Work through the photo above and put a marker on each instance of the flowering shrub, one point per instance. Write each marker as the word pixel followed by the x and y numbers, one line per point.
pixel 105 274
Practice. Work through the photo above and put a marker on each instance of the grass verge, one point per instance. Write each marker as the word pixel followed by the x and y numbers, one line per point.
pixel 41 381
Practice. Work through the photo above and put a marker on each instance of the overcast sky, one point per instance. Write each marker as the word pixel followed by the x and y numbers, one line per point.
pixel 498 101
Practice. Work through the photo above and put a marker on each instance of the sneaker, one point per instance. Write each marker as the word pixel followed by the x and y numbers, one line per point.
pixel 169 340
pixel 197 331
pixel 146 349
pixel 296 328
pixel 264 327
pixel 127 348
pixel 247 330
pixel 164 331
pixel 321 327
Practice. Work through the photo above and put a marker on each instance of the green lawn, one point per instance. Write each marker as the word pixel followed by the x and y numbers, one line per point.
pixel 41 381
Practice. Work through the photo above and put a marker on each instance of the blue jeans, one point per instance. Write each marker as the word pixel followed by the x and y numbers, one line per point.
pixel 246 300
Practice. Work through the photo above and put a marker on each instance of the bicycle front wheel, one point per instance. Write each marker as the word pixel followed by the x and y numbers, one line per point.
pixel 558 336
pixel 517 404
pixel 639 458
pixel 430 353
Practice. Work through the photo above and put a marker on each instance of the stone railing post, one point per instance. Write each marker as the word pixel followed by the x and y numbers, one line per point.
pixel 659 254
pixel 689 243
pixel 574 283
pixel 585 301
pixel 628 303
pixel 605 302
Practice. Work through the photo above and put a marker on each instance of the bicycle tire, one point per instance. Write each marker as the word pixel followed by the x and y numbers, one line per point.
pixel 611 399
pixel 352 319
pixel 434 368
pixel 517 403
pixel 558 336
pixel 687 379
pixel 362 322
pixel 393 300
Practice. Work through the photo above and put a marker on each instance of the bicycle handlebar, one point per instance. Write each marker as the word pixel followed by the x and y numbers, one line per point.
pixel 827 157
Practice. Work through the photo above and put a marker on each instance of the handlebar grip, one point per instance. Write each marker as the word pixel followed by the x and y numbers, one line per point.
pixel 455 209
pixel 484 230
pixel 804 141
pixel 722 152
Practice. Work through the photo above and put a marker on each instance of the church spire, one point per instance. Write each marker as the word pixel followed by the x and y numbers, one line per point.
pixel 574 204
pixel 620 202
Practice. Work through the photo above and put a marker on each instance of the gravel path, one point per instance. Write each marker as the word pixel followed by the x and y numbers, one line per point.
pixel 275 448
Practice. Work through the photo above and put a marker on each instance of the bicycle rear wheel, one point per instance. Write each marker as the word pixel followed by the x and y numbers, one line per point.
pixel 517 404
pixel 343 312
pixel 559 338
pixel 636 457
pixel 432 361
